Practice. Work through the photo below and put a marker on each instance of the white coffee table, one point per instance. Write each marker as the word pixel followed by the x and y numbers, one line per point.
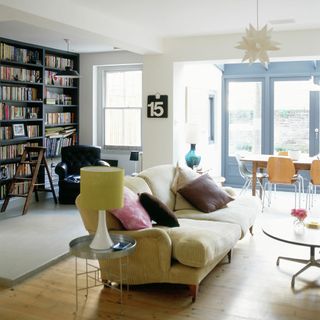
pixel 282 229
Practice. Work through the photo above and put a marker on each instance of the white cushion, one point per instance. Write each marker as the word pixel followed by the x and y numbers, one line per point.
pixel 198 243
pixel 183 175
pixel 242 211
pixel 159 180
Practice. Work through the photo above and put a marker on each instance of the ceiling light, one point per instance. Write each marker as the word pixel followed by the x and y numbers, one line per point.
pixel 68 72
pixel 257 42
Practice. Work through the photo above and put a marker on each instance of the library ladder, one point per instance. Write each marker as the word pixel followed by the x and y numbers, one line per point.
pixel 34 157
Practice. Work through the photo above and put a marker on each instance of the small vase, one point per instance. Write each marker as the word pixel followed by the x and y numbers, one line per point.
pixel 192 159
pixel 298 225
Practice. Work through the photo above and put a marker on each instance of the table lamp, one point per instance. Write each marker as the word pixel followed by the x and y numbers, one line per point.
pixel 101 188
pixel 192 137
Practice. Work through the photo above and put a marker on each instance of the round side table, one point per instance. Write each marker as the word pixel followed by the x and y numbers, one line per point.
pixel 80 248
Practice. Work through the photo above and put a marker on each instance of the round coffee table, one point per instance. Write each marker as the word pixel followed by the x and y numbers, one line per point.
pixel 282 229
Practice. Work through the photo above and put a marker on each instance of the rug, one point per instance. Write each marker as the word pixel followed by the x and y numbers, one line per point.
pixel 34 241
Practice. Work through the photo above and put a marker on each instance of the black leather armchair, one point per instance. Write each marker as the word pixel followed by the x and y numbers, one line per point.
pixel 73 158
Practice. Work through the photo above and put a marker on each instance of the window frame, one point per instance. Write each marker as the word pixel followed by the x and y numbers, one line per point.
pixel 101 95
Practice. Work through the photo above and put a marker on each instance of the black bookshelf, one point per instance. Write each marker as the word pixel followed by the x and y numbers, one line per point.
pixel 27 81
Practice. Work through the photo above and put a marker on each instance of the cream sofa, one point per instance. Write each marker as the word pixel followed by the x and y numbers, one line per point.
pixel 184 254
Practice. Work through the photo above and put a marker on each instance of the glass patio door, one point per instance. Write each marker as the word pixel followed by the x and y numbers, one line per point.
pixel 292 115
pixel 244 125
pixel 314 123
pixel 286 119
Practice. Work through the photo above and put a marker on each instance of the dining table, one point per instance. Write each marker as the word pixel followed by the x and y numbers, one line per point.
pixel 260 161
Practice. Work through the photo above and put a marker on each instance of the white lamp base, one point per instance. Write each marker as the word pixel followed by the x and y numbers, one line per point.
pixel 101 240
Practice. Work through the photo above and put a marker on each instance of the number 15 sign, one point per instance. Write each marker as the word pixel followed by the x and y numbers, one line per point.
pixel 157 106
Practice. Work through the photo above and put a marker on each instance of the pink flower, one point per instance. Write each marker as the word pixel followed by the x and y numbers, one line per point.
pixel 300 214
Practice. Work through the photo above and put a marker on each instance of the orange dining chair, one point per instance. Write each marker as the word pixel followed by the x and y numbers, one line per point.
pixel 281 171
pixel 314 181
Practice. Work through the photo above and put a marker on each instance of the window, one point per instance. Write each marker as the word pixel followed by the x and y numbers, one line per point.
pixel 121 106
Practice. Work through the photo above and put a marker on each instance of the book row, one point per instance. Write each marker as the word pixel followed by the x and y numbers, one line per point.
pixel 59 132
pixel 7 171
pixel 12 53
pixel 20 74
pixel 52 163
pixel 33 131
pixel 53 97
pixel 51 79
pixel 18 93
pixel 20 188
pixel 10 112
pixel 6 133
pixel 59 117
pixel 17 130
pixel 54 145
pixel 57 62
pixel 15 150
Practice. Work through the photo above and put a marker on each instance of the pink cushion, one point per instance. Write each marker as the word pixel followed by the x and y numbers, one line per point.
pixel 132 215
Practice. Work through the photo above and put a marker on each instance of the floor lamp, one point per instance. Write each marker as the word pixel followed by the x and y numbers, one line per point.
pixel 101 188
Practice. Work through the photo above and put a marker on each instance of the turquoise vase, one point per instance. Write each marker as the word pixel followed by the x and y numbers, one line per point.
pixel 191 158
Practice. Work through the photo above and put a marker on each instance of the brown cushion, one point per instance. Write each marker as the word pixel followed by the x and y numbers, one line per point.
pixel 158 211
pixel 205 194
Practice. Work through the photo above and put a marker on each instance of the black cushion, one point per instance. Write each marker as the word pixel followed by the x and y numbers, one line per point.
pixel 158 211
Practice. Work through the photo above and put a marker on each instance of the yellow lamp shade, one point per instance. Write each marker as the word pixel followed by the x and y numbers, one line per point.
pixel 101 188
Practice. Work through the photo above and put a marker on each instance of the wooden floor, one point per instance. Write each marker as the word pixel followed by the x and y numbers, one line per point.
pixel 251 287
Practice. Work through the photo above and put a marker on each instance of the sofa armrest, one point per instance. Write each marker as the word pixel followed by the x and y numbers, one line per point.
pixel 154 246
pixel 61 170
pixel 150 261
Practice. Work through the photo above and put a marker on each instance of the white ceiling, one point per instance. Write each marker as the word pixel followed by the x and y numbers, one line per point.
pixel 142 25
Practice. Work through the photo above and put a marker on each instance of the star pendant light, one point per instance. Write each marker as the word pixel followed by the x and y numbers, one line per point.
pixel 257 42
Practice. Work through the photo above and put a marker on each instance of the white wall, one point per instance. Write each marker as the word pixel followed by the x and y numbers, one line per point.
pixel 157 134
pixel 88 102
pixel 162 73
pixel 203 78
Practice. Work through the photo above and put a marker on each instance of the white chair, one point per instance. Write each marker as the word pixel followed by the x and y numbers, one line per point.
pixel 314 182
pixel 247 175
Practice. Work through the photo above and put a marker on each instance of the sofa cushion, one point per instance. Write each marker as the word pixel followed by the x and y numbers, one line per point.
pixel 242 211
pixel 198 243
pixel 132 215
pixel 159 180
pixel 205 194
pixel 182 203
pixel 136 184
pixel 158 211
pixel 183 175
